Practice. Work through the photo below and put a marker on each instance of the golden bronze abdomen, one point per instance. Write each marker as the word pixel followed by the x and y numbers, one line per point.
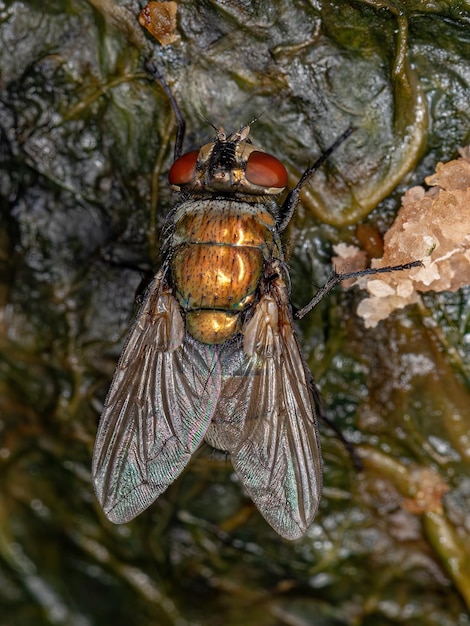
pixel 217 262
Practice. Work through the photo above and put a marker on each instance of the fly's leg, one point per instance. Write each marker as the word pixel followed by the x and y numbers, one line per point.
pixel 180 123
pixel 287 210
pixel 336 278
pixel 290 203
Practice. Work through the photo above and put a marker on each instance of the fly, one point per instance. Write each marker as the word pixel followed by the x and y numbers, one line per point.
pixel 213 355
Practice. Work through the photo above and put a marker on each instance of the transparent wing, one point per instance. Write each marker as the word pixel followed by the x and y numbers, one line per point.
pixel 266 417
pixel 161 401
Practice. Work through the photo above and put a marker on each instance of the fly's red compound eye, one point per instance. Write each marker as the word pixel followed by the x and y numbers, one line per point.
pixel 265 170
pixel 183 169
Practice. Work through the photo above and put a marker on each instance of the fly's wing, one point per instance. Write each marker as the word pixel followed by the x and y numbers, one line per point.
pixel 160 403
pixel 266 417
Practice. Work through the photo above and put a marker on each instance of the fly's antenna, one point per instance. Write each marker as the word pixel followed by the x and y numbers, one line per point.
pixel 208 122
pixel 180 123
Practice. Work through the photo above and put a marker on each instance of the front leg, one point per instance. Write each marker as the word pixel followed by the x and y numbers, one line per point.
pixel 287 209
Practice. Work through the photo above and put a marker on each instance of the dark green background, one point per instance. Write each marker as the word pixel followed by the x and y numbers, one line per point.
pixel 85 148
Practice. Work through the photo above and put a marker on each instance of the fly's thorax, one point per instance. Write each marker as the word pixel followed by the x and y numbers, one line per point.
pixel 224 220
pixel 219 249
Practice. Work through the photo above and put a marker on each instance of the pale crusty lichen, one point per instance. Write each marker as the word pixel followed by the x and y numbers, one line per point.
pixel 433 227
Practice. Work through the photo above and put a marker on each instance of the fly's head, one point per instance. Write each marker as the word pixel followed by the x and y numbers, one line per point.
pixel 229 165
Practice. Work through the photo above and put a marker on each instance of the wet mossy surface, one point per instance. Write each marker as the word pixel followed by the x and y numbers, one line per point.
pixel 86 144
